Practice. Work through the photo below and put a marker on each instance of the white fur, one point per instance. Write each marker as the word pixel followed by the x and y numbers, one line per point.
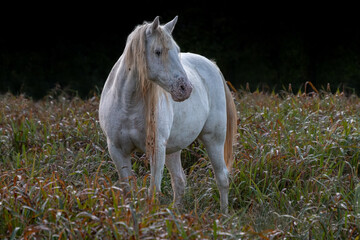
pixel 202 115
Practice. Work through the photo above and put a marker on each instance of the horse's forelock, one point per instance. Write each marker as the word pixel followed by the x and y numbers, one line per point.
pixel 163 39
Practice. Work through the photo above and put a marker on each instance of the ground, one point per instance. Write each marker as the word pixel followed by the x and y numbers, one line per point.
pixel 295 175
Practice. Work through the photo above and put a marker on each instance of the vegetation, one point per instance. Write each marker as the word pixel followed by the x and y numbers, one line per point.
pixel 296 174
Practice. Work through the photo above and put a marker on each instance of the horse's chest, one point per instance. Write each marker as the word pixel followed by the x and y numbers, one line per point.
pixel 127 129
pixel 136 131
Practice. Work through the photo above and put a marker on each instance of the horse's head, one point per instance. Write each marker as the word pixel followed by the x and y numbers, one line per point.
pixel 163 60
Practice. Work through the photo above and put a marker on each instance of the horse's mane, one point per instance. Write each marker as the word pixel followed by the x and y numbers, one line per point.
pixel 135 59
pixel 135 52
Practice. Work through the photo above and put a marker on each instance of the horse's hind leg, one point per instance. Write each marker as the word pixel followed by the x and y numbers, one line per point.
pixel 178 178
pixel 215 149
pixel 123 166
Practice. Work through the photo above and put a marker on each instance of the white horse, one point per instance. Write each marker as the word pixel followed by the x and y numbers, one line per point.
pixel 159 101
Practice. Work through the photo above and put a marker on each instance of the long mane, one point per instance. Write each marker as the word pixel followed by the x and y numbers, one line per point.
pixel 135 58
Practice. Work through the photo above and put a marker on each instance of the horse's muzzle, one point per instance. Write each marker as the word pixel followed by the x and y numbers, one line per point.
pixel 181 90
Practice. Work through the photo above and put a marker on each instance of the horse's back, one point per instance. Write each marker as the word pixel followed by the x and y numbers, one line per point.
pixel 209 74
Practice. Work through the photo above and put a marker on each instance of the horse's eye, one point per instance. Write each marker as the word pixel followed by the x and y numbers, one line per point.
pixel 158 52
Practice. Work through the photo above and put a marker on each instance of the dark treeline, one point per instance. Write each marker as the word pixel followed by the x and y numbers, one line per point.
pixel 264 46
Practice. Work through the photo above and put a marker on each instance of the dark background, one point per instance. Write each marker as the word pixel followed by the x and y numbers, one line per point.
pixel 268 46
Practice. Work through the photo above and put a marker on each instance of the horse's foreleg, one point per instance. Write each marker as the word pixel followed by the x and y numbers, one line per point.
pixel 215 151
pixel 123 166
pixel 178 178
pixel 157 168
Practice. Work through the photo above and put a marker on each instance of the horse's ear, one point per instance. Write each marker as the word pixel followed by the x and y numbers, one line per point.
pixel 170 25
pixel 153 26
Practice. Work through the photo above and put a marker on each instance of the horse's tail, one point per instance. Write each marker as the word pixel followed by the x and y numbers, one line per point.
pixel 231 127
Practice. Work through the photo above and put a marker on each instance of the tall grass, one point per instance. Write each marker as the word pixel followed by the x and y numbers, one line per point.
pixel 295 176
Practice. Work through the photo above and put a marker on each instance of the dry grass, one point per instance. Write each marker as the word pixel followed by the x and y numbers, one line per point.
pixel 296 174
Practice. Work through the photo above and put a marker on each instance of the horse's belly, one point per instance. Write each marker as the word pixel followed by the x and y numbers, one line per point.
pixel 188 122
pixel 180 141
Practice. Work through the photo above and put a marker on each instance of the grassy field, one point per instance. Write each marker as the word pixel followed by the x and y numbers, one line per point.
pixel 296 174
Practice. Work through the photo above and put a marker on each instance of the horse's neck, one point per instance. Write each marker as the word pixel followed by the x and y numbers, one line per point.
pixel 125 87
